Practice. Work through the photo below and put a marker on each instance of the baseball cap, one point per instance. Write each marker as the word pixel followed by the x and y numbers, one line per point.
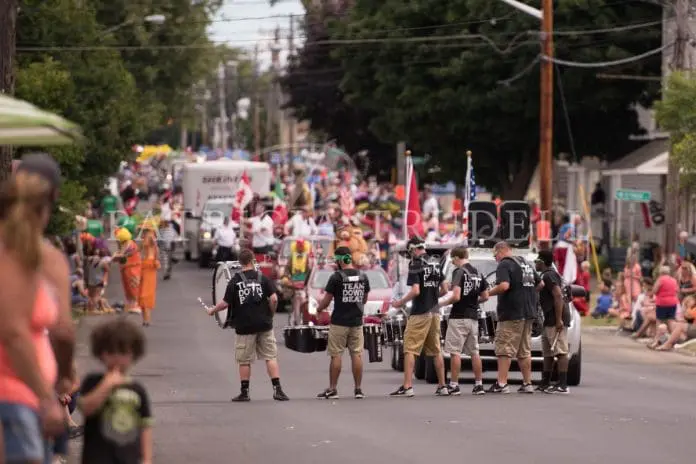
pixel 546 257
pixel 43 165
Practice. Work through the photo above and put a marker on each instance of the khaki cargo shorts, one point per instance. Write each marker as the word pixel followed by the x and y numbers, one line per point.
pixel 341 337
pixel 422 333
pixel 548 336
pixel 263 345
pixel 462 334
pixel 513 339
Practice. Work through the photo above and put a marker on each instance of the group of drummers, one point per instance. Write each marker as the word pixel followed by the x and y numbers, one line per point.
pixel 520 287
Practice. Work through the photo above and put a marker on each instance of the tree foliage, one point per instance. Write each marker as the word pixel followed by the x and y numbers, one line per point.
pixel 676 113
pixel 478 88
pixel 312 83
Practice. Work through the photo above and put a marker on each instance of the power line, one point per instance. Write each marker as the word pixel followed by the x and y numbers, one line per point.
pixel 606 64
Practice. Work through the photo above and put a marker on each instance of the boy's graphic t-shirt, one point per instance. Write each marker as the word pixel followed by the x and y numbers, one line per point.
pixel 112 435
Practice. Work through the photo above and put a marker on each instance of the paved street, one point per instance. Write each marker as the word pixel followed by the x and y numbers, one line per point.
pixel 633 405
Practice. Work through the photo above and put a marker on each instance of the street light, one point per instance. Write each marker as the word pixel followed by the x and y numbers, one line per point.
pixel 154 19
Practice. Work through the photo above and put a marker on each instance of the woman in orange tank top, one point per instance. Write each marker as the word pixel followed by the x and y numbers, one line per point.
pixel 149 267
pixel 29 409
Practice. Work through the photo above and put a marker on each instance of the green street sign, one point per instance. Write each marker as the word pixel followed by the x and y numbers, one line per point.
pixel 633 195
pixel 418 160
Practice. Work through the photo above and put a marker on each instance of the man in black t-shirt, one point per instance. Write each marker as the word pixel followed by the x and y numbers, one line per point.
pixel 554 338
pixel 348 288
pixel 469 288
pixel 422 334
pixel 516 288
pixel 252 302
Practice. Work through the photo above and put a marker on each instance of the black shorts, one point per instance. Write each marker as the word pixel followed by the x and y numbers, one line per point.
pixel 665 313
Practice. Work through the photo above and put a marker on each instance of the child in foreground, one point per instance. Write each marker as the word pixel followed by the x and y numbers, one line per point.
pixel 116 407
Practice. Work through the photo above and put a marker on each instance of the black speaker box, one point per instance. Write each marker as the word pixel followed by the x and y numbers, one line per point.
pixel 482 223
pixel 515 223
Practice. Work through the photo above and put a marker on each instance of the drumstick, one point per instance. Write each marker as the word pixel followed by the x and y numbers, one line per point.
pixel 555 341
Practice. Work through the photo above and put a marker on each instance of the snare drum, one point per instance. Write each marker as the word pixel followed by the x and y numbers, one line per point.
pixel 393 329
pixel 443 326
pixel 300 338
pixel 486 323
pixel 373 335
pixel 321 337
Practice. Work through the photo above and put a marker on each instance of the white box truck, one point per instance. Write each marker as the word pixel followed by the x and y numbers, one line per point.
pixel 215 180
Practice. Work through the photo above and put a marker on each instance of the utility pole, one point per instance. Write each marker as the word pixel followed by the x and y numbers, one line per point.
pixel 257 106
pixel 678 63
pixel 8 47
pixel 546 111
pixel 291 118
pixel 274 117
pixel 223 106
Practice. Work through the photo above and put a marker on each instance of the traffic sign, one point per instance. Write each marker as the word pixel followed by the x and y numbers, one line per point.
pixel 633 195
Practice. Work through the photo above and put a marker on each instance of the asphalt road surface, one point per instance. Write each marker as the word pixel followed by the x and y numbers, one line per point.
pixel 633 406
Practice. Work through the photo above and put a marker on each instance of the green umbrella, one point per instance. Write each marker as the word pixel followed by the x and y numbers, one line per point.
pixel 22 123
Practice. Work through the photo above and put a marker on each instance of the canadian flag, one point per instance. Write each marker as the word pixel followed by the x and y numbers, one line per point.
pixel 243 197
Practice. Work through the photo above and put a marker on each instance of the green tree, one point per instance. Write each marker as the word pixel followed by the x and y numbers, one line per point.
pixel 677 115
pixel 312 82
pixel 447 96
pixel 165 59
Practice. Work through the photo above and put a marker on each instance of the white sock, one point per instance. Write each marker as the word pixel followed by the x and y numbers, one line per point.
pixel 479 382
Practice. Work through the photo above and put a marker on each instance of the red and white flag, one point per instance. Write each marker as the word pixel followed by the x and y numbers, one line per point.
pixel 243 197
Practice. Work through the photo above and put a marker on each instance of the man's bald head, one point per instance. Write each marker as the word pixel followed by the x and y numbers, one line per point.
pixel 501 250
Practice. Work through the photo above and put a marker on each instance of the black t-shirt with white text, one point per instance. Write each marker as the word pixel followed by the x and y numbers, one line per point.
pixel 519 302
pixel 552 279
pixel 472 284
pixel 113 434
pixel 248 302
pixel 349 289
pixel 429 277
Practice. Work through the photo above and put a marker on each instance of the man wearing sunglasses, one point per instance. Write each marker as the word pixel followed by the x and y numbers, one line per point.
pixel 349 288
pixel 423 325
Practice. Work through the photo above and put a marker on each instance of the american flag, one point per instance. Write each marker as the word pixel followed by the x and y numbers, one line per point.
pixel 472 185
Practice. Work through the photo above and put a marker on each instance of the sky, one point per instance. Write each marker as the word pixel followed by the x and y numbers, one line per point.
pixel 243 23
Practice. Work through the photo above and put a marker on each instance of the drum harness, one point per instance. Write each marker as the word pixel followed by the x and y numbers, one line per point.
pixel 236 269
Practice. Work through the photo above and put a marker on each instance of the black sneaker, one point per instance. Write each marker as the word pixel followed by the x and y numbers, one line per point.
pixel 478 390
pixel 279 394
pixel 401 391
pixel 526 388
pixel 557 389
pixel 454 390
pixel 359 394
pixel 328 394
pixel 242 397
pixel 442 391
pixel 542 387
pixel 497 388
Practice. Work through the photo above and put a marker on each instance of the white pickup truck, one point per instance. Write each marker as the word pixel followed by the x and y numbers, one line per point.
pixel 219 179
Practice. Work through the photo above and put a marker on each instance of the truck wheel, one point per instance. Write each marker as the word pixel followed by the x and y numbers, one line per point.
pixel 575 368
pixel 419 367
pixel 430 372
